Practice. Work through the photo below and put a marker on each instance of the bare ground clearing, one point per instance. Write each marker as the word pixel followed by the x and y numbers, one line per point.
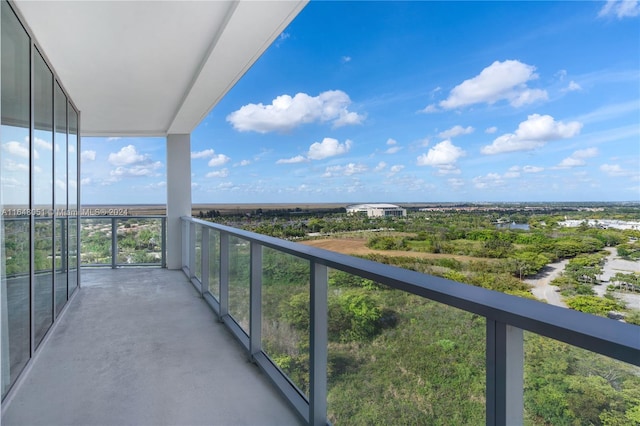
pixel 358 246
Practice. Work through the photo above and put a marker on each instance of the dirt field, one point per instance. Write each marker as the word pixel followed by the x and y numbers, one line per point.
pixel 358 246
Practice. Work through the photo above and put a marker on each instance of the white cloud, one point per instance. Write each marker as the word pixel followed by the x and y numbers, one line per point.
pixel 424 142
pixel 218 160
pixel 562 74
pixel 572 87
pixel 577 158
pixel 136 170
pixel 393 150
pixel 532 169
pixel 395 169
pixel 442 155
pixel 456 131
pixel 381 166
pixel 620 9
pixel 127 155
pixel 292 160
pixel 244 163
pixel 87 155
pixel 16 148
pixel 430 109
pixel 85 181
pixel 512 173
pixel 348 170
pixel 281 38
pixel 615 170
pixel 41 143
pixel 491 130
pixel 490 180
pixel 286 112
pixel 13 166
pixel 218 174
pixel 111 139
pixel 329 147
pixel 392 141
pixel 207 153
pixel 455 182
pixel 533 133
pixel 346 59
pixel 499 81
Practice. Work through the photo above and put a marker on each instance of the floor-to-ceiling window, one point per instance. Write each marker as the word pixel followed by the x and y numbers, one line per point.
pixel 15 193
pixel 42 154
pixel 38 197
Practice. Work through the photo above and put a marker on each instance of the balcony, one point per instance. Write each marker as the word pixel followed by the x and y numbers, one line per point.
pixel 139 346
pixel 143 346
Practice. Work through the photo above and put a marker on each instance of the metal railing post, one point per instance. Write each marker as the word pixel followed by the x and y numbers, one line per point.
pixel 204 260
pixel 224 274
pixel 255 304
pixel 318 345
pixel 114 243
pixel 505 368
pixel 163 244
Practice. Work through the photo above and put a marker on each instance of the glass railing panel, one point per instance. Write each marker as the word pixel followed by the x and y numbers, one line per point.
pixel 214 263
pixel 198 250
pixel 43 258
pixel 239 267
pixel 15 297
pixel 139 241
pixel 61 263
pixel 72 279
pixel 285 314
pixel 95 234
pixel 396 358
pixel 566 385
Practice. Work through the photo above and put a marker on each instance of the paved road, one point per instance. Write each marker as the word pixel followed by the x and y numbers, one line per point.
pixel 541 282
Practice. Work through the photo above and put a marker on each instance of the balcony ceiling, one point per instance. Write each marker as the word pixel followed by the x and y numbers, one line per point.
pixel 150 68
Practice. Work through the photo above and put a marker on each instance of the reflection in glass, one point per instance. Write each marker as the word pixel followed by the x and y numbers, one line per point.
pixel 60 195
pixel 14 190
pixel 73 156
pixel 43 196
pixel 239 266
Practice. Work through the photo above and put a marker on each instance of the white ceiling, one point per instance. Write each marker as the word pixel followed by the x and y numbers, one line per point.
pixel 152 67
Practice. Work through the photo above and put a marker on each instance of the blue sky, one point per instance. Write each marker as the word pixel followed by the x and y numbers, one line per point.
pixel 414 102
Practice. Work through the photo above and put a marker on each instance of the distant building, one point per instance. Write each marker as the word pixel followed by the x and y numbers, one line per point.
pixel 377 210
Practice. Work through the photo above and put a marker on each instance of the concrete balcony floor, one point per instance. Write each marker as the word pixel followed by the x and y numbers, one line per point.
pixel 140 347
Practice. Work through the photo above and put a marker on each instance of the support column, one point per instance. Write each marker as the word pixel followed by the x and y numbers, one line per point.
pixel 178 194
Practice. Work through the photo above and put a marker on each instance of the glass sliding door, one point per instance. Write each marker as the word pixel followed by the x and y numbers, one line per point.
pixel 42 149
pixel 74 211
pixel 39 154
pixel 15 223
pixel 60 198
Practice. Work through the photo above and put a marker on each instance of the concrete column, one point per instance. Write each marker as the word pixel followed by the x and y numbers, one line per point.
pixel 178 194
